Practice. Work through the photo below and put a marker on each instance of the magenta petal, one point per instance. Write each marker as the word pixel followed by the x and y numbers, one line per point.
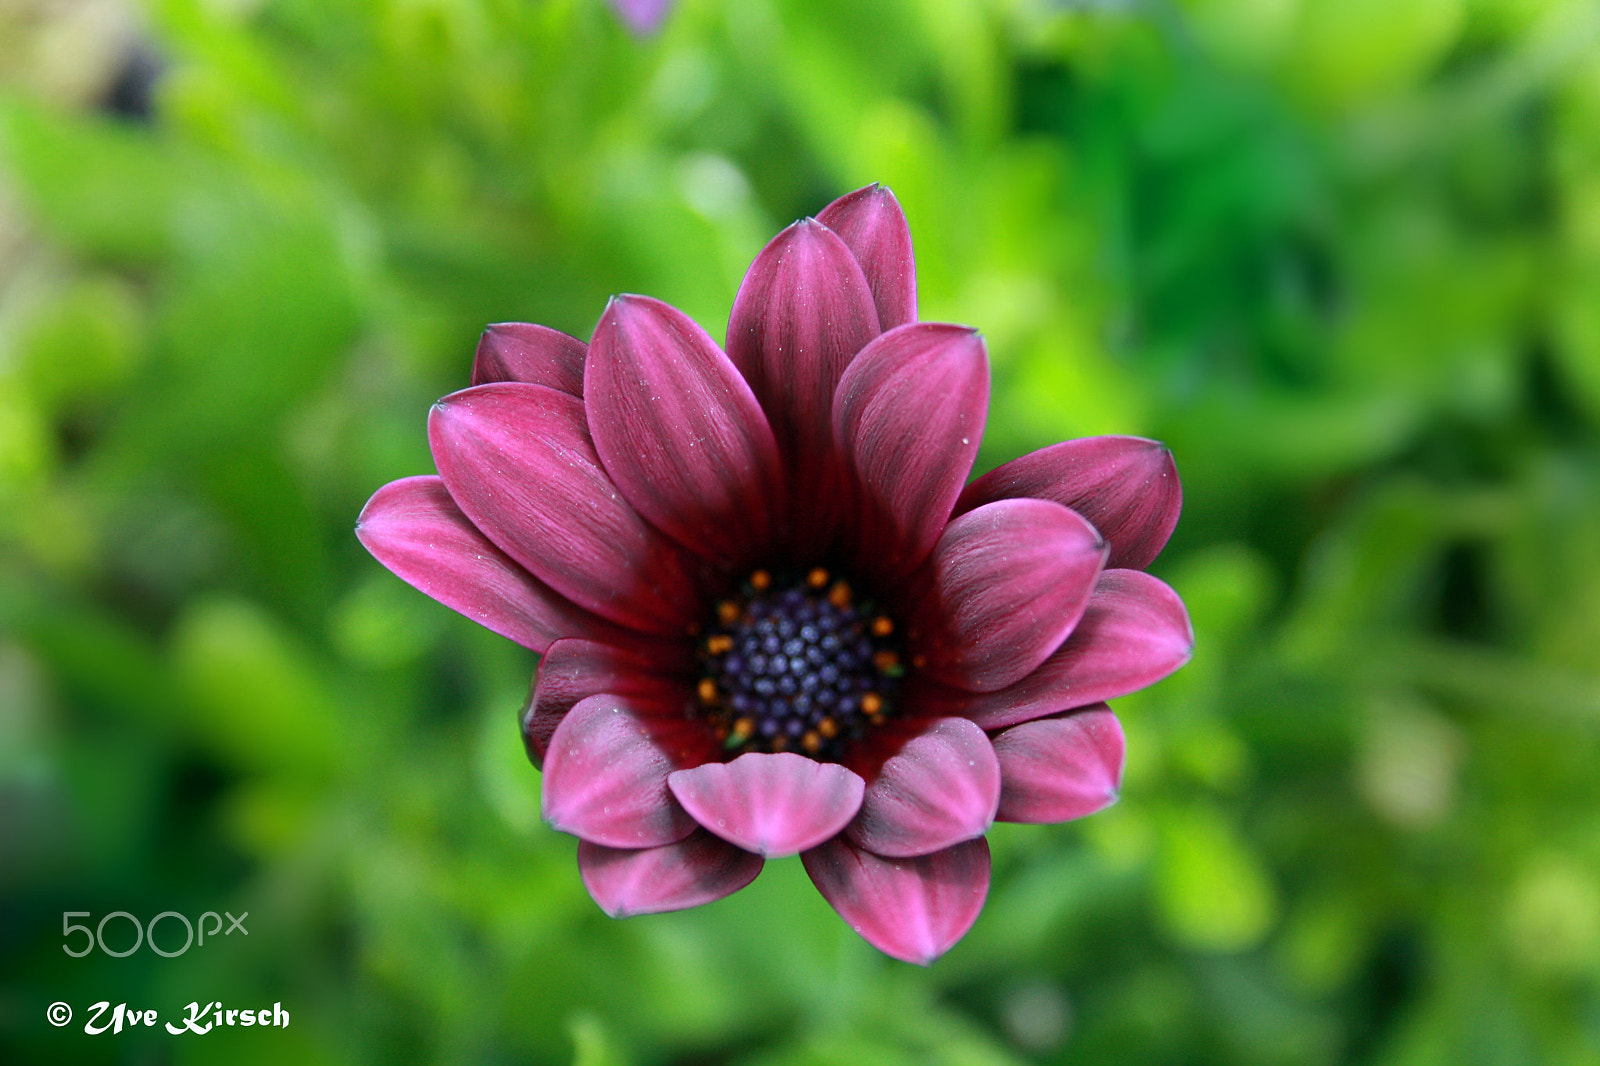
pixel 1134 632
pixel 771 804
pixel 940 788
pixel 679 430
pixel 871 224
pixel 1004 587
pixel 1058 769
pixel 573 670
pixel 803 312
pixel 519 461
pixel 605 776
pixel 1127 487
pixel 535 355
pixel 912 909
pixel 909 414
pixel 413 527
pixel 698 869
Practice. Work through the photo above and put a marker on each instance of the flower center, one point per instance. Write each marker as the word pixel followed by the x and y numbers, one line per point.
pixel 797 664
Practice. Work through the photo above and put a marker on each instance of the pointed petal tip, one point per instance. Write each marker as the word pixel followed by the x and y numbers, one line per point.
pixel 941 788
pixel 1060 768
pixel 696 870
pixel 914 910
pixel 772 805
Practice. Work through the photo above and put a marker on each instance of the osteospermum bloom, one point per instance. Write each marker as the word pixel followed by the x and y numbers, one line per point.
pixel 774 617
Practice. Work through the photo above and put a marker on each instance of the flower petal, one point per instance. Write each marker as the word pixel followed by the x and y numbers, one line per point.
pixel 414 528
pixel 698 869
pixel 605 774
pixel 940 788
pixel 1004 587
pixel 912 909
pixel 772 804
pixel 679 430
pixel 573 670
pixel 909 415
pixel 519 461
pixel 1061 768
pixel 1127 487
pixel 803 312
pixel 1134 632
pixel 871 224
pixel 536 355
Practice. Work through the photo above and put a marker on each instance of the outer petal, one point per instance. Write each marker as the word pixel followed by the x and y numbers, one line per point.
pixel 605 775
pixel 679 431
pixel 1058 769
pixel 941 788
pixel 909 415
pixel 771 804
pixel 1005 586
pixel 803 312
pixel 535 355
pixel 413 527
pixel 871 224
pixel 1134 633
pixel 912 909
pixel 697 869
pixel 518 460
pixel 1126 486
pixel 573 670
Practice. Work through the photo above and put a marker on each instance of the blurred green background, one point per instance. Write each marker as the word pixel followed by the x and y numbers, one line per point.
pixel 1343 255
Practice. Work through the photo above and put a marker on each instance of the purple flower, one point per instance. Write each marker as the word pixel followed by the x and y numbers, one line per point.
pixel 643 17
pixel 774 618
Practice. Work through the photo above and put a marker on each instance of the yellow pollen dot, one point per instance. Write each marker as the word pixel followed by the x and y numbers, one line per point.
pixel 727 612
pixel 885 660
pixel 839 595
pixel 761 581
pixel 817 578
pixel 743 728
pixel 780 742
pixel 720 644
pixel 707 690
pixel 882 626
pixel 828 728
pixel 811 742
pixel 871 704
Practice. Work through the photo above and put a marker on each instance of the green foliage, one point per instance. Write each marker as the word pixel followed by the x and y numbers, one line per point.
pixel 1344 257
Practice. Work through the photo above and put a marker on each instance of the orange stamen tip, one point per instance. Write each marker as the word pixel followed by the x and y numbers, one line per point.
pixel 728 612
pixel 817 578
pixel 871 704
pixel 811 742
pixel 839 595
pixel 743 728
pixel 760 580
pixel 882 626
pixel 720 644
pixel 885 660
pixel 828 728
pixel 707 690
